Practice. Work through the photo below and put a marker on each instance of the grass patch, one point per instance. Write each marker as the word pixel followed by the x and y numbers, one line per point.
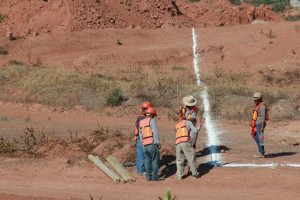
pixel 3 51
pixel 277 5
pixel 179 68
pixel 293 18
pixel 60 88
pixel 3 119
pixel 2 17
pixel 230 93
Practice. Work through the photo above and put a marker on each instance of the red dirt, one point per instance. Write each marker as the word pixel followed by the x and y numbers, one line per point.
pixel 81 35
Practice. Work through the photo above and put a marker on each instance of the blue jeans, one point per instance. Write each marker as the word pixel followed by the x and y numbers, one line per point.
pixel 151 153
pixel 140 169
pixel 258 140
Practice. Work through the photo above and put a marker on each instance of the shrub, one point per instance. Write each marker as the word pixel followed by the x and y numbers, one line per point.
pixel 3 51
pixel 293 18
pixel 115 98
pixel 168 197
pixel 2 17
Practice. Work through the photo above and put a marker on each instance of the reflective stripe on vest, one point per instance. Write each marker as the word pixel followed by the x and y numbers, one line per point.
pixel 192 109
pixel 147 134
pixel 255 112
pixel 182 133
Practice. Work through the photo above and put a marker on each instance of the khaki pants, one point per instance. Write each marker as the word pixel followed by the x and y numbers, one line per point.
pixel 184 151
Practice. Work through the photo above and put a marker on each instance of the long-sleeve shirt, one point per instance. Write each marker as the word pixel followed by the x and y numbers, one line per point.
pixel 193 130
pixel 261 114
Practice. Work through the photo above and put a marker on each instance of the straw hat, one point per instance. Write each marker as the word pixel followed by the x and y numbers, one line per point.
pixel 256 96
pixel 189 100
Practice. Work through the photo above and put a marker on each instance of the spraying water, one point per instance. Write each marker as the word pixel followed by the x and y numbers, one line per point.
pixel 212 132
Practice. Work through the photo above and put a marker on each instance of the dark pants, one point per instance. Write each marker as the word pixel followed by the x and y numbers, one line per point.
pixel 259 139
pixel 151 153
pixel 140 169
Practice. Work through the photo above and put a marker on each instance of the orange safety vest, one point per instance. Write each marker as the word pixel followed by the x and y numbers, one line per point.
pixel 254 118
pixel 147 134
pixel 183 110
pixel 182 133
pixel 136 127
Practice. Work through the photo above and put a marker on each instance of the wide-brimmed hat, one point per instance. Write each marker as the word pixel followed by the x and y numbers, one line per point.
pixel 189 100
pixel 256 96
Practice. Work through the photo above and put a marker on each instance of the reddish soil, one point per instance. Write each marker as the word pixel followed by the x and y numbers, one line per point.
pixel 81 36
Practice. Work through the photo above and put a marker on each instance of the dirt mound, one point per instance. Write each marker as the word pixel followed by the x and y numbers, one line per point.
pixel 38 17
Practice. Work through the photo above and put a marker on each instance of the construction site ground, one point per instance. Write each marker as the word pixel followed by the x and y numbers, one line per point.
pixel 84 37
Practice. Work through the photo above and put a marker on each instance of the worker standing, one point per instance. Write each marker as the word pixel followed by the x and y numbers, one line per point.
pixel 151 144
pixel 185 139
pixel 188 109
pixel 140 168
pixel 258 123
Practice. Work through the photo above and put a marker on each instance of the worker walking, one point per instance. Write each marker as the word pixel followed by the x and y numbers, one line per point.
pixel 258 123
pixel 185 139
pixel 140 167
pixel 188 109
pixel 149 137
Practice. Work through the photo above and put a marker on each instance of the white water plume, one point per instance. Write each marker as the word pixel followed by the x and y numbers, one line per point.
pixel 212 132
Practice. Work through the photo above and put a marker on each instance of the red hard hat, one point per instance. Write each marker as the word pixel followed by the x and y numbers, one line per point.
pixel 146 104
pixel 151 111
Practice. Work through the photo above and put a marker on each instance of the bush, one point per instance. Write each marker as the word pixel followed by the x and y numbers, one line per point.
pixel 2 17
pixel 3 51
pixel 293 18
pixel 115 98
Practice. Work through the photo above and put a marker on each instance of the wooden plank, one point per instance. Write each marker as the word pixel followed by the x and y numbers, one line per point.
pixel 96 160
pixel 124 169
pixel 120 168
pixel 128 174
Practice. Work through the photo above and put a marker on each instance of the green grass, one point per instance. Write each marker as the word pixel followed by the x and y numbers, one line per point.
pixel 277 5
pixel 2 17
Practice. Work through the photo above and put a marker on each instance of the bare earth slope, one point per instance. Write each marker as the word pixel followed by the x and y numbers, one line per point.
pixel 81 36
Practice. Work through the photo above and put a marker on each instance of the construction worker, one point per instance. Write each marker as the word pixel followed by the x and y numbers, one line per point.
pixel 185 140
pixel 188 108
pixel 151 145
pixel 258 123
pixel 140 168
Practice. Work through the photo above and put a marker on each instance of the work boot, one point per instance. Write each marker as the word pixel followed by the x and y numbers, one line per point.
pixel 158 179
pixel 259 156
pixel 196 175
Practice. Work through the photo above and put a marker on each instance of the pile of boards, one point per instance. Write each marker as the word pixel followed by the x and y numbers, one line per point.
pixel 119 174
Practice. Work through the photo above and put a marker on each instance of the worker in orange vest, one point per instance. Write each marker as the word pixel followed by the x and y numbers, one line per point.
pixel 258 123
pixel 188 108
pixel 149 137
pixel 185 139
pixel 140 168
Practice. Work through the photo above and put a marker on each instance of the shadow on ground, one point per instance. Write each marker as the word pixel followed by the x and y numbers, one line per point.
pixel 212 149
pixel 274 155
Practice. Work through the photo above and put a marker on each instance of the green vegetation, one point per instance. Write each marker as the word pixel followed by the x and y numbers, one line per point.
pixel 3 51
pixel 3 118
pixel 2 17
pixel 66 89
pixel 232 90
pixel 168 196
pixel 293 18
pixel 115 98
pixel 277 5
pixel 179 68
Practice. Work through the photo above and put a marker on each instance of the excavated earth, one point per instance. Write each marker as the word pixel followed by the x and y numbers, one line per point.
pixel 81 35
